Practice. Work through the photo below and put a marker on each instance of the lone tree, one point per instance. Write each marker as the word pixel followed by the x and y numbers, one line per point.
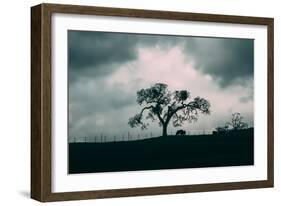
pixel 237 122
pixel 163 105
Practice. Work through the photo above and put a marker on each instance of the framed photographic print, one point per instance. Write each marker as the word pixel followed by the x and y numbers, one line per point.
pixel 128 102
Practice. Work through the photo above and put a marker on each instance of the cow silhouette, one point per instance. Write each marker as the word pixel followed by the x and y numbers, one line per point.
pixel 215 133
pixel 180 132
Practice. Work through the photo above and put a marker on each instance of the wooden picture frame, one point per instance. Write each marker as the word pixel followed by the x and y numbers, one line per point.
pixel 41 101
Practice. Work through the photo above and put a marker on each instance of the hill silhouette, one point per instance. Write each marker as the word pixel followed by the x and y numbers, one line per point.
pixel 170 152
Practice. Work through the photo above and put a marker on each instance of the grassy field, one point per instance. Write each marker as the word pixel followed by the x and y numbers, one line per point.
pixel 169 152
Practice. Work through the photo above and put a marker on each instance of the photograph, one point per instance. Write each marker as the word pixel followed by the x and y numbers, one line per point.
pixel 139 101
pixel 134 102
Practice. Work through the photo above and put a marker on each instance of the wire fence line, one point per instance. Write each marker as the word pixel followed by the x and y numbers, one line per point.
pixel 102 138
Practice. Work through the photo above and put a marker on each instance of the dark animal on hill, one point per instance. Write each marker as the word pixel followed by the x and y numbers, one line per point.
pixel 180 132
pixel 215 133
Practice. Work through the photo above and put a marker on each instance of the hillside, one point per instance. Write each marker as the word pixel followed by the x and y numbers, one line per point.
pixel 163 153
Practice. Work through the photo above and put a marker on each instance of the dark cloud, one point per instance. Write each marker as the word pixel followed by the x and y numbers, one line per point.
pixel 229 61
pixel 96 48
pixel 98 53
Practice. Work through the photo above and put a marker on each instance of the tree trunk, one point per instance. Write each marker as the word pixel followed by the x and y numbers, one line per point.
pixel 164 133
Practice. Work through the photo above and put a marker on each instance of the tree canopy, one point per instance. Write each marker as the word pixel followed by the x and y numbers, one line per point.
pixel 164 106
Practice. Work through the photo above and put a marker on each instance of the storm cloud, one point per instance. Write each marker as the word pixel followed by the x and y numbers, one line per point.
pixel 106 70
pixel 103 51
pixel 229 61
pixel 93 55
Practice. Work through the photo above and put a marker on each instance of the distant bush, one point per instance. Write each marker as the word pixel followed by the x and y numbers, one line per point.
pixel 236 124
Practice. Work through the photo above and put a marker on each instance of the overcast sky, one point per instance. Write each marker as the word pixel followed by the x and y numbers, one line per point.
pixel 107 69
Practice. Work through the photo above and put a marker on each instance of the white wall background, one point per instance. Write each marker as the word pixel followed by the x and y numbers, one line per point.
pixel 15 102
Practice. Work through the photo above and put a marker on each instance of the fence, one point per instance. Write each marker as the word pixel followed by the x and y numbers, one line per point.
pixel 102 138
